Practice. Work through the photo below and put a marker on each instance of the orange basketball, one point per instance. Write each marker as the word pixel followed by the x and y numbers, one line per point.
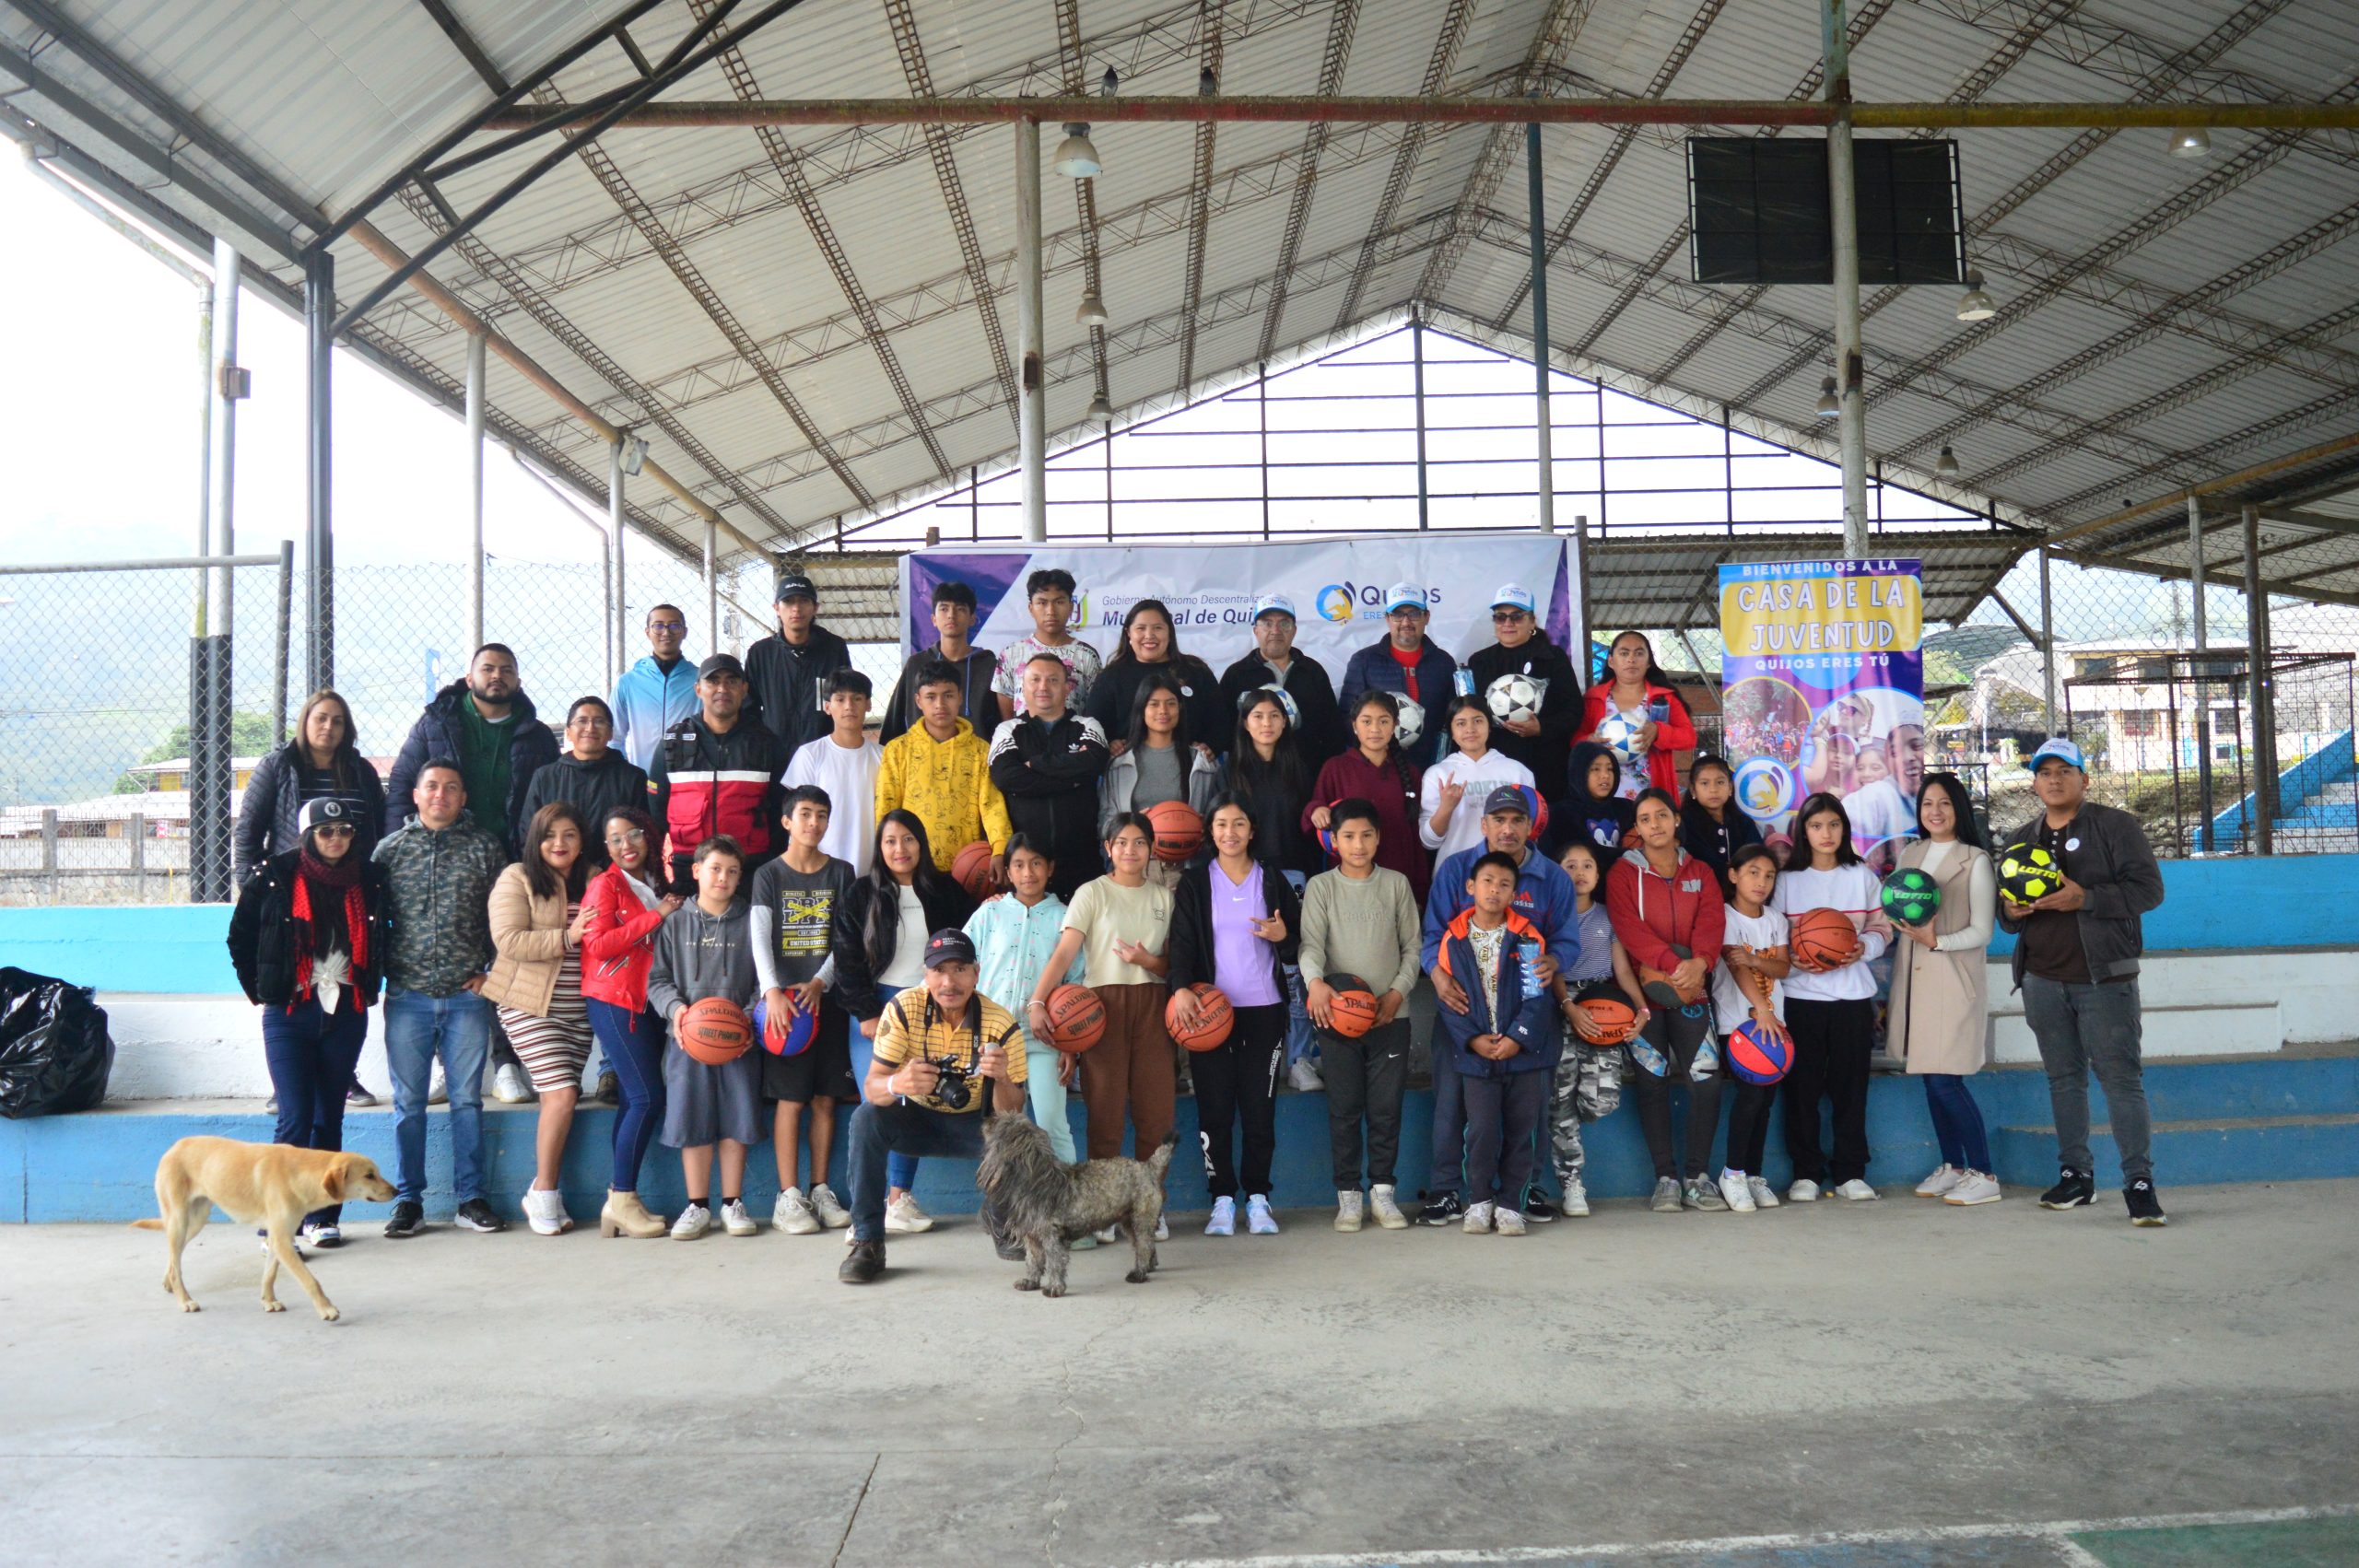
pixel 715 1030
pixel 1214 1018
pixel 1615 1021
pixel 1823 936
pixel 1353 1013
pixel 972 869
pixel 1076 1018
pixel 1179 831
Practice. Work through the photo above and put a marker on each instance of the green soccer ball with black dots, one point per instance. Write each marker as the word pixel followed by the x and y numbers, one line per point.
pixel 2028 874
pixel 1910 897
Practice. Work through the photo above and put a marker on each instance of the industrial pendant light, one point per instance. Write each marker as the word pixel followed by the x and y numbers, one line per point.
pixel 1076 155
pixel 1829 406
pixel 2191 141
pixel 1100 409
pixel 1974 305
pixel 1092 309
pixel 1945 467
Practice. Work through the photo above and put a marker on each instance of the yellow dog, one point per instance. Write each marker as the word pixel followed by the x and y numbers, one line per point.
pixel 269 1184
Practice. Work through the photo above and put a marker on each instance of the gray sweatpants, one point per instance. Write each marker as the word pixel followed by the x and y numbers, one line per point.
pixel 2084 1028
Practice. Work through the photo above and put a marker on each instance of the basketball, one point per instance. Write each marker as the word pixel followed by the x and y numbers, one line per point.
pixel 2028 874
pixel 802 1028
pixel 1616 1021
pixel 1179 831
pixel 1353 1013
pixel 1823 936
pixel 715 1030
pixel 972 869
pixel 1758 1056
pixel 1515 698
pixel 1214 1018
pixel 1910 897
pixel 1076 1018
pixel 1327 843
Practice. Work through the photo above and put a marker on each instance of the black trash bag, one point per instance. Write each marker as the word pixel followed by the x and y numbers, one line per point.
pixel 56 1053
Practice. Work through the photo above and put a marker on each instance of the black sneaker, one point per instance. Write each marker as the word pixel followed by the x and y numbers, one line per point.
pixel 2145 1205
pixel 1538 1209
pixel 1447 1209
pixel 407 1220
pixel 2072 1189
pixel 475 1214
pixel 863 1264
pixel 359 1094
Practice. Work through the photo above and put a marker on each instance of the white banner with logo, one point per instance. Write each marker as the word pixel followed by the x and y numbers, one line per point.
pixel 1338 588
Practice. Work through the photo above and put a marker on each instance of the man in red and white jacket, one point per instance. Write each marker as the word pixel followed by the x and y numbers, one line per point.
pixel 719 772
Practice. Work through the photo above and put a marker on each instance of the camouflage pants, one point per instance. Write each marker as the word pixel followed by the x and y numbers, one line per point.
pixel 1588 1086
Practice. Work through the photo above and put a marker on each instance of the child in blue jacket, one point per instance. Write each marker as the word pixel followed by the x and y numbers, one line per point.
pixel 1505 1046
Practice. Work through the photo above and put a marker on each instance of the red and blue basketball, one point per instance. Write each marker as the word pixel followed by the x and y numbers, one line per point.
pixel 1759 1055
pixel 802 1028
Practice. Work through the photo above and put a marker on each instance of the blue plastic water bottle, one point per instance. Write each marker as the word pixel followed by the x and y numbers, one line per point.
pixel 1527 954
pixel 1462 681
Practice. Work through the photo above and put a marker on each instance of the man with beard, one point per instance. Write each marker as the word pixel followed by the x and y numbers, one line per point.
pixel 718 772
pixel 1407 663
pixel 489 726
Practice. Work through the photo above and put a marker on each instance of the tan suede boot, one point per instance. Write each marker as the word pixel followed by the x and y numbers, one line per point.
pixel 625 1215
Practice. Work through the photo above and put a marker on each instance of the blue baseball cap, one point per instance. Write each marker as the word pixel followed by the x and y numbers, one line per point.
pixel 2063 751
pixel 1514 596
pixel 1274 604
pixel 1403 596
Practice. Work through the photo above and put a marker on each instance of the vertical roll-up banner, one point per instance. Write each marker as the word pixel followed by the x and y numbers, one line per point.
pixel 1823 688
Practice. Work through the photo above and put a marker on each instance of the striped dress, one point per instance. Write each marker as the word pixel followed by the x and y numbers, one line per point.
pixel 554 1048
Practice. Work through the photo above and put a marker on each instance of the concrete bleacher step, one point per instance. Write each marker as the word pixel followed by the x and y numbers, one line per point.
pixel 2221 1149
pixel 2255 1027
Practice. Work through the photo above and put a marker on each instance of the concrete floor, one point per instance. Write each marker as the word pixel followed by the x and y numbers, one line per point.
pixel 1628 1379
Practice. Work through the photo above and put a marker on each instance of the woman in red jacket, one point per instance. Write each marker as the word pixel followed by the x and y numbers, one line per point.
pixel 620 910
pixel 1669 917
pixel 1636 688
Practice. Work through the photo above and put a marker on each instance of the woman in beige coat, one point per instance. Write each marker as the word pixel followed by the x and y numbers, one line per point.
pixel 1940 1019
pixel 535 982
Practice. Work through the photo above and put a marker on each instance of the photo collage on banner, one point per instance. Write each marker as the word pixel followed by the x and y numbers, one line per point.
pixel 1823 688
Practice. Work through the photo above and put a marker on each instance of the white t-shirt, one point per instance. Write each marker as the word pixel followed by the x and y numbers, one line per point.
pixel 1853 890
pixel 1731 1004
pixel 1481 775
pixel 908 968
pixel 848 776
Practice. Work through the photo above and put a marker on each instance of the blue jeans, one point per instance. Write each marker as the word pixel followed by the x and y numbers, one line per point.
pixel 416 1027
pixel 634 1045
pixel 901 1170
pixel 2083 1029
pixel 311 1056
pixel 882 1131
pixel 1957 1122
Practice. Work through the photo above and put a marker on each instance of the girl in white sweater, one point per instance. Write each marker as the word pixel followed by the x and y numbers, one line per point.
pixel 1450 807
pixel 1831 1007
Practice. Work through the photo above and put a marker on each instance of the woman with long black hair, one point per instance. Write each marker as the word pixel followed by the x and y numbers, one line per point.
pixel 535 982
pixel 621 910
pixel 1939 1019
pixel 1267 770
pixel 1635 688
pixel 1830 1005
pixel 1160 760
pixel 1151 644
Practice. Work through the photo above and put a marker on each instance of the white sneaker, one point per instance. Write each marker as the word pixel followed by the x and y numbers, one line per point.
pixel 1510 1223
pixel 1856 1190
pixel 1109 1236
pixel 1224 1218
pixel 735 1219
pixel 1764 1195
pixel 509 1085
pixel 1478 1220
pixel 1347 1211
pixel 1973 1186
pixel 1736 1192
pixel 1803 1191
pixel 1386 1212
pixel 1259 1221
pixel 437 1093
pixel 829 1208
pixel 545 1212
pixel 792 1213
pixel 694 1221
pixel 903 1217
pixel 1945 1177
pixel 1576 1203
pixel 1162 1228
pixel 1305 1077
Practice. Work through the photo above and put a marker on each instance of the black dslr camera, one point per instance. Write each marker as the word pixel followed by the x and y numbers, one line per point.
pixel 956 1084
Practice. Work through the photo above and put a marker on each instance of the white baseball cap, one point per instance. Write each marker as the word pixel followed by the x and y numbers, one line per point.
pixel 1274 604
pixel 1515 596
pixel 1403 596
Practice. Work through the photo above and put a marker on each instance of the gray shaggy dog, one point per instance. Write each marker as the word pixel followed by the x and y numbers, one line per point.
pixel 1047 1204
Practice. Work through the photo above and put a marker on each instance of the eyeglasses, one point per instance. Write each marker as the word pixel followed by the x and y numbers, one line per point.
pixel 667 625
pixel 1504 617
pixel 628 836
pixel 334 830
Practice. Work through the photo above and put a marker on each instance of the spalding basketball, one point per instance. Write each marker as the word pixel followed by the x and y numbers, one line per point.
pixel 2028 874
pixel 1076 1018
pixel 1758 1056
pixel 1353 1013
pixel 972 869
pixel 1214 1018
pixel 1179 831
pixel 802 1028
pixel 1615 1021
pixel 1821 937
pixel 715 1030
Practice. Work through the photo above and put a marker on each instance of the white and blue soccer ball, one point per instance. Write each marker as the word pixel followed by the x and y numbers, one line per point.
pixel 1515 698
pixel 1618 734
pixel 1410 715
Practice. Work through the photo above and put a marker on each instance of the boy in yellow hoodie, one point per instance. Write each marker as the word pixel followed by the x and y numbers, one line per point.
pixel 941 770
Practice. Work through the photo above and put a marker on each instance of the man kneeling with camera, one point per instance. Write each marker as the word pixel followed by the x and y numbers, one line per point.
pixel 941 1047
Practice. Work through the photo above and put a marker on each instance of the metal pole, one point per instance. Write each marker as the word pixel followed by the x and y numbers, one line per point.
pixel 1110 487
pixel 2203 675
pixel 2047 639
pixel 204 439
pixel 476 345
pixel 1417 362
pixel 1576 590
pixel 712 582
pixel 318 588
pixel 2264 697
pixel 1844 208
pixel 617 636
pixel 220 598
pixel 1542 419
pixel 1032 421
pixel 286 620
pixel 1262 409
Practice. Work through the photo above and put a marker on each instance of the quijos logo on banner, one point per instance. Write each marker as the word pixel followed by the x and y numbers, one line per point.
pixel 1823 688
pixel 1337 588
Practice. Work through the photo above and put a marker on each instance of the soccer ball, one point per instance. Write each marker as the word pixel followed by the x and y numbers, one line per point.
pixel 1910 897
pixel 2028 874
pixel 1411 725
pixel 1617 734
pixel 1515 698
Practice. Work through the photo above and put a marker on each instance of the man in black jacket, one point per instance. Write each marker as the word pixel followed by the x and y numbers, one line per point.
pixel 787 672
pixel 954 621
pixel 2076 963
pixel 1047 763
pixel 1275 661
pixel 1524 648
pixel 489 726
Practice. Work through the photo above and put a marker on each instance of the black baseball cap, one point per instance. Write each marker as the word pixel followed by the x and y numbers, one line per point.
pixel 948 945
pixel 720 664
pixel 794 585
pixel 1507 797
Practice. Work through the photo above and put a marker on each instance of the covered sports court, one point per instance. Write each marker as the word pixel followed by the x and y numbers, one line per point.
pixel 753 284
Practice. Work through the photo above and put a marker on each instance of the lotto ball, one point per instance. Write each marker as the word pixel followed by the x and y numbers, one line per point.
pixel 1617 734
pixel 1910 897
pixel 972 869
pixel 1353 1013
pixel 1758 1056
pixel 1179 831
pixel 715 1030
pixel 802 1027
pixel 1214 1018
pixel 2028 874
pixel 1515 698
pixel 1076 1018
pixel 1411 725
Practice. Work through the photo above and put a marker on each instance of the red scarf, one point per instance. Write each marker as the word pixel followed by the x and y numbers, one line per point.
pixel 355 926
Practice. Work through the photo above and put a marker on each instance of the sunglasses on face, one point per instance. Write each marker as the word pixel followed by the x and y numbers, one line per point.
pixel 333 830
pixel 1506 617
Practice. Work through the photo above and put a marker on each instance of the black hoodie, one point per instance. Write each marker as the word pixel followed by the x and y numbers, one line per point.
pixel 1582 818
pixel 594 788
pixel 1560 702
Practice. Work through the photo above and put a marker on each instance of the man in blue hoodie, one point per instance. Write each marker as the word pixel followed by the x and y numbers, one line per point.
pixel 656 693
